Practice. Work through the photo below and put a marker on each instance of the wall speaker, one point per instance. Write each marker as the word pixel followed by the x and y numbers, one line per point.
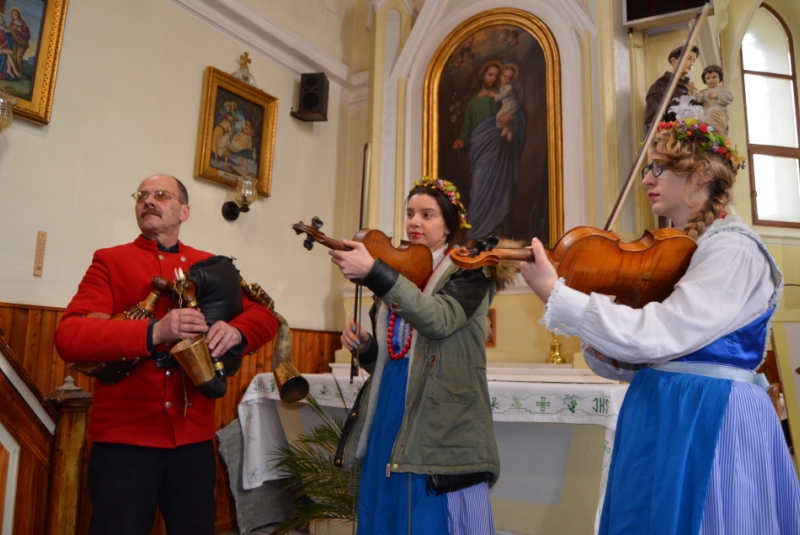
pixel 641 15
pixel 313 101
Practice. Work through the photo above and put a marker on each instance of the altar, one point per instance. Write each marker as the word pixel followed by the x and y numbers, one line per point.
pixel 555 440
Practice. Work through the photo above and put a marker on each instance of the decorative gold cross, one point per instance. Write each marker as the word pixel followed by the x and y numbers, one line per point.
pixel 244 61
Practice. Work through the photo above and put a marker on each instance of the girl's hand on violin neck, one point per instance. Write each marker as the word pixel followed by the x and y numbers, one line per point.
pixel 540 275
pixel 355 264
pixel 353 336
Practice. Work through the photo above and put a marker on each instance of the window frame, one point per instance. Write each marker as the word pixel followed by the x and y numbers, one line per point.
pixel 771 150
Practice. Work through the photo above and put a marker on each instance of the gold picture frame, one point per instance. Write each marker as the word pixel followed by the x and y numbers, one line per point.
pixel 516 169
pixel 236 136
pixel 31 79
pixel 491 328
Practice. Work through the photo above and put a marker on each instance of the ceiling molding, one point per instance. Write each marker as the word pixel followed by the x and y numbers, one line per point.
pixel 252 29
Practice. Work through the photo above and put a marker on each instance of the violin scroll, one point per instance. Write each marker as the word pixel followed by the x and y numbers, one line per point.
pixel 412 260
pixel 316 223
pixel 313 234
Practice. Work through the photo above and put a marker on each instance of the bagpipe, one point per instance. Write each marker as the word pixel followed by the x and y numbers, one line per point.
pixel 215 287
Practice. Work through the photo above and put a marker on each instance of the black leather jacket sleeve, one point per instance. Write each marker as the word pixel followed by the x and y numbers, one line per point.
pixel 468 287
pixel 380 278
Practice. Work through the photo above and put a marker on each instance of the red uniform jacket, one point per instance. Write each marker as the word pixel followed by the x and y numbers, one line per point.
pixel 157 407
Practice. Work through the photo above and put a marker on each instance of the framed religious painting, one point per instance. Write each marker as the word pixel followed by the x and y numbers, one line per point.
pixel 30 45
pixel 236 137
pixel 492 124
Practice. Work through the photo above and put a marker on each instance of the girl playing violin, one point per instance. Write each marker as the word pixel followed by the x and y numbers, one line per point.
pixel 422 425
pixel 699 448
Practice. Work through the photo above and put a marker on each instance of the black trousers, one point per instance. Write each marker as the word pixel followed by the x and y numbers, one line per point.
pixel 127 483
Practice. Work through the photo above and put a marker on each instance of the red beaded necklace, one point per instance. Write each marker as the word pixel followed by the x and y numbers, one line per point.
pixel 402 353
pixel 393 320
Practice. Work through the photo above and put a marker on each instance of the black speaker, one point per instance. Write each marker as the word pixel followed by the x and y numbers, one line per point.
pixel 313 101
pixel 641 15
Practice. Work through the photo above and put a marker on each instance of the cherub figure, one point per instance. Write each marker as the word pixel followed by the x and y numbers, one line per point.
pixel 508 97
pixel 715 98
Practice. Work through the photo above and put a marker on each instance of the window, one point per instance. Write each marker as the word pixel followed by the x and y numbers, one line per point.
pixel 770 95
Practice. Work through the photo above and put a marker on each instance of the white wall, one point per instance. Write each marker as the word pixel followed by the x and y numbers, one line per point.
pixel 127 103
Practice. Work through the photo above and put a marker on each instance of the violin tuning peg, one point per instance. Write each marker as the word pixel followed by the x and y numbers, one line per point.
pixel 316 222
pixel 480 246
pixel 492 242
pixel 308 243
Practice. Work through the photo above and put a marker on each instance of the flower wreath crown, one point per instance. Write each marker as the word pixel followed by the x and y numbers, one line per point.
pixel 706 140
pixel 449 189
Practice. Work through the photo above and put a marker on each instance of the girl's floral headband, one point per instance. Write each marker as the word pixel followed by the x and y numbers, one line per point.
pixel 705 139
pixel 449 189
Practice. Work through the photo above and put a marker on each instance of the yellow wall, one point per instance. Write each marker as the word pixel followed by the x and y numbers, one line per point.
pixel 127 103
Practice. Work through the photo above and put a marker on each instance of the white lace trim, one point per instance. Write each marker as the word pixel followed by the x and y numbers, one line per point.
pixel 547 316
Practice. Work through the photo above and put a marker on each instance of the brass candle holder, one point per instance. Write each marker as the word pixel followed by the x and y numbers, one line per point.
pixel 555 351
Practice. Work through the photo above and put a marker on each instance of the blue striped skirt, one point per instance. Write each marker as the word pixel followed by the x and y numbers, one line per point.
pixel 697 454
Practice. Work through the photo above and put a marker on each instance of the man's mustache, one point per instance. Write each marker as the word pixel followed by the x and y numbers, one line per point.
pixel 154 211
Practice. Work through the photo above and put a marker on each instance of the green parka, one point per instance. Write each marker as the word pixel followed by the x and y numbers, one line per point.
pixel 447 426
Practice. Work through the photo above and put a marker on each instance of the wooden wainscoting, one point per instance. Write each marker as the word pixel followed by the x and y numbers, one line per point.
pixel 29 331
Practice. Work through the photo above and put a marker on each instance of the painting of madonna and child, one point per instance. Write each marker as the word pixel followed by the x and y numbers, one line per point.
pixel 492 132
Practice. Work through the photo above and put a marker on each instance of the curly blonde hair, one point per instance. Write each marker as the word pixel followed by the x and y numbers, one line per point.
pixel 683 157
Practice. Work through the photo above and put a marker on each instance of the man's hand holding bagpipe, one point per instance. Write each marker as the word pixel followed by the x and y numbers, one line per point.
pixel 178 324
pixel 222 337
pixel 182 323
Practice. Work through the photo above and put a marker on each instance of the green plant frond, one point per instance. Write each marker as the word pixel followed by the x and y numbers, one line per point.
pixel 331 422
pixel 341 394
pixel 322 491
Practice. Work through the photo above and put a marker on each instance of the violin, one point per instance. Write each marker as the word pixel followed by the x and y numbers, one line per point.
pixel 412 260
pixel 594 260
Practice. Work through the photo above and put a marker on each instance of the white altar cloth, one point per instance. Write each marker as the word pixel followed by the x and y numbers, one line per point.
pixel 564 403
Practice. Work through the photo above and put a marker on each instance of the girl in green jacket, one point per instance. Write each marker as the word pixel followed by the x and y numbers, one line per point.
pixel 422 426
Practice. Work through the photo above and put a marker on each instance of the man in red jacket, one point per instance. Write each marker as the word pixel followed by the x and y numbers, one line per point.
pixel 153 432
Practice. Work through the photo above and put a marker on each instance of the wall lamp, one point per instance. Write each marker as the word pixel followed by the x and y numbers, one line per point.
pixel 243 198
pixel 6 110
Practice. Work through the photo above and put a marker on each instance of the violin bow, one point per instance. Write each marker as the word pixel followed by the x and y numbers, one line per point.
pixel 355 353
pixel 651 132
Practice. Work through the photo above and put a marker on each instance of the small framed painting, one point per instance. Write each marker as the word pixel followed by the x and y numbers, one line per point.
pixel 236 137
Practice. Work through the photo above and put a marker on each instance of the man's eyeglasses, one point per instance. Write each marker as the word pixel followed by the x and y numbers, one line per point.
pixel 159 195
pixel 655 167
